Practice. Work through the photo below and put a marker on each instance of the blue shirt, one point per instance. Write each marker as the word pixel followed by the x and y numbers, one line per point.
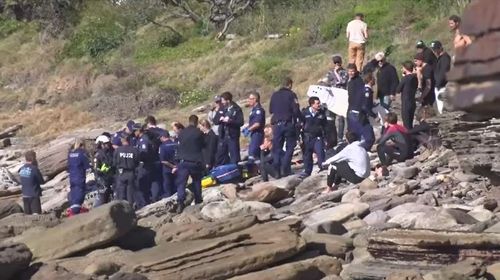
pixel 116 139
pixel 257 115
pixel 145 149
pixel 168 150
pixel 78 163
pixel 31 179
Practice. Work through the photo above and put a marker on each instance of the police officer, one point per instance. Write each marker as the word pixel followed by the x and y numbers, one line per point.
pixel 313 123
pixel 146 167
pixel 126 161
pixel 103 168
pixel 230 122
pixel 255 128
pixel 78 163
pixel 154 134
pixel 360 106
pixel 189 155
pixel 284 107
pixel 116 139
pixel 168 149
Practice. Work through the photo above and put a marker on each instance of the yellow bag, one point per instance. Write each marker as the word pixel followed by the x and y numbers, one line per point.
pixel 208 181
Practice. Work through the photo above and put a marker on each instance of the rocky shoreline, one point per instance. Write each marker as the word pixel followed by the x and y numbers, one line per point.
pixel 435 216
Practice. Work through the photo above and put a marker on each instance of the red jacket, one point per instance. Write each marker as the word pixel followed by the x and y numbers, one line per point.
pixel 396 128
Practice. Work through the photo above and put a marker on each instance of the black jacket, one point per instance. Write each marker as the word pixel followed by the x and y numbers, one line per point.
pixel 236 120
pixel 191 144
pixel 387 80
pixel 430 57
pixel 314 126
pixel 443 65
pixel 210 149
pixel 31 179
pixel 126 157
pixel 284 106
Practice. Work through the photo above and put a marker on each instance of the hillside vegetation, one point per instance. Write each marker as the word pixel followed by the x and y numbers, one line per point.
pixel 110 60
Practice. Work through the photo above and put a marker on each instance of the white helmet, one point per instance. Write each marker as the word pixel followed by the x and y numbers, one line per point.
pixel 102 139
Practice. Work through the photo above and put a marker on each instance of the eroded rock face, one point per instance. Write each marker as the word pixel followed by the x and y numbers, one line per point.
pixel 311 269
pixel 478 66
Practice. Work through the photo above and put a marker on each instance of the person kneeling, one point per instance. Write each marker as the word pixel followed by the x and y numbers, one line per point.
pixel 352 164
pixel 396 142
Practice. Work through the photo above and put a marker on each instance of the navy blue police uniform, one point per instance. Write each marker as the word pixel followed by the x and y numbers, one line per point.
pixel 229 133
pixel 360 108
pixel 314 124
pixel 284 107
pixel 126 160
pixel 78 163
pixel 31 179
pixel 257 115
pixel 167 153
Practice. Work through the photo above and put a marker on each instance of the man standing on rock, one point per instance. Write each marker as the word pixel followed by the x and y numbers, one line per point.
pixel 190 158
pixel 360 105
pixel 284 107
pixel 313 126
pixel 387 81
pixel 357 35
pixel 126 161
pixel 31 179
pixel 443 66
pixel 408 89
pixel 78 163
pixel 255 128
pixel 231 122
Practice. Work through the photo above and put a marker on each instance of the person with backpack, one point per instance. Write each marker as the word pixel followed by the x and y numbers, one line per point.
pixel 31 180
pixel 103 168
pixel 78 164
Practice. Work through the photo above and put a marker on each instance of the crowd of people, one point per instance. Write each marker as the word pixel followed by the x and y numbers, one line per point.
pixel 143 163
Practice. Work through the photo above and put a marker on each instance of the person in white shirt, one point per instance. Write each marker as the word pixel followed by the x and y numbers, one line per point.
pixel 357 34
pixel 352 163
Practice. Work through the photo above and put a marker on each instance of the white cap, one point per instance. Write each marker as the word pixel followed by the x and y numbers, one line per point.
pixel 379 56
pixel 102 138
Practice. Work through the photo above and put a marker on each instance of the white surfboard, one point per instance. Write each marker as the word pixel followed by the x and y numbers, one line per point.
pixel 439 98
pixel 335 99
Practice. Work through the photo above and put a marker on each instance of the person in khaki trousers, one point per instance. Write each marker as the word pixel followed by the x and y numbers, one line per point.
pixel 357 35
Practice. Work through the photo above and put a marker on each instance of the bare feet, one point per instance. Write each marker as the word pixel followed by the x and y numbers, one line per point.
pixel 329 189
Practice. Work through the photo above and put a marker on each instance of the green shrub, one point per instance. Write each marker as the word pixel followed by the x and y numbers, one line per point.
pixel 99 31
pixel 335 27
pixel 191 48
pixel 8 26
pixel 421 25
pixel 270 68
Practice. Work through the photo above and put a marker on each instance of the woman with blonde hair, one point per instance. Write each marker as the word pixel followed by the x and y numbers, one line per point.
pixel 78 163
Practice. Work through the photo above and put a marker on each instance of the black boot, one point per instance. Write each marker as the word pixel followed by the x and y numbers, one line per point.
pixel 180 208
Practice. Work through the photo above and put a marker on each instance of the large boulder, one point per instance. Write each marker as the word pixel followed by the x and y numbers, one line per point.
pixel 203 230
pixel 20 222
pixel 54 272
pixel 340 213
pixel 227 209
pixel 328 244
pixel 311 269
pixel 9 207
pixel 267 192
pixel 14 258
pixel 256 248
pixel 90 230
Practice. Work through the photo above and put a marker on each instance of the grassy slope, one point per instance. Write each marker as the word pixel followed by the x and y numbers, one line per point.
pixel 33 69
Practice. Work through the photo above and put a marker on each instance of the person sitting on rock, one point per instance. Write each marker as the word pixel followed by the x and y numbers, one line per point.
pixel 352 164
pixel 396 142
